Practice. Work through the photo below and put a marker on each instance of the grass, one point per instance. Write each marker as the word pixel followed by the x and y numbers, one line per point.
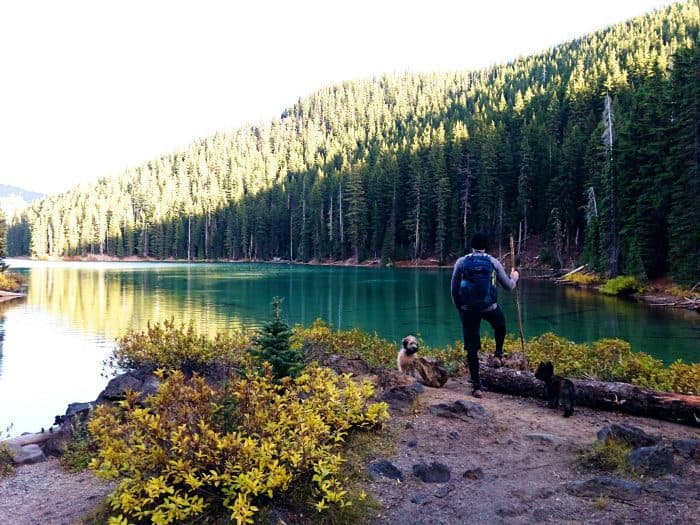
pixel 611 455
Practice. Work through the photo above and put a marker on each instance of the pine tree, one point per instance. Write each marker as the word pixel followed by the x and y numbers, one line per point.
pixel 272 346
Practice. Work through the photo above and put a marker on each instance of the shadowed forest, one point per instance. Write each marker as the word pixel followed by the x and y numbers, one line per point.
pixel 593 144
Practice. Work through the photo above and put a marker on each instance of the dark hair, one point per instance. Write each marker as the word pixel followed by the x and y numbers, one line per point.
pixel 480 241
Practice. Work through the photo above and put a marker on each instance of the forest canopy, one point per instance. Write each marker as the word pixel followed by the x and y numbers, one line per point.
pixel 592 144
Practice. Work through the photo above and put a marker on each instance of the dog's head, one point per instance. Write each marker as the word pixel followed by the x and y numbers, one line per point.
pixel 410 344
pixel 544 371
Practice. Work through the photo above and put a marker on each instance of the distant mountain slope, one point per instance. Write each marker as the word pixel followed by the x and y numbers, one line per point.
pixel 13 199
pixel 25 195
pixel 409 166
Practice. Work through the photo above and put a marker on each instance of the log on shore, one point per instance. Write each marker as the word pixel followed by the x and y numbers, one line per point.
pixel 601 395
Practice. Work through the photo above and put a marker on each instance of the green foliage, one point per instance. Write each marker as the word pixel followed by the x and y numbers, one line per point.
pixel 272 346
pixel 7 465
pixel 622 285
pixel 80 450
pixel 605 359
pixel 11 282
pixel 611 455
pixel 583 279
pixel 684 378
pixel 169 346
pixel 177 464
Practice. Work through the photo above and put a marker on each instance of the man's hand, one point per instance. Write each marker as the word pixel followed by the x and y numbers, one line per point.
pixel 514 274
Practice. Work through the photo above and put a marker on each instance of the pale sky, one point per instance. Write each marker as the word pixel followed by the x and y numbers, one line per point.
pixel 88 88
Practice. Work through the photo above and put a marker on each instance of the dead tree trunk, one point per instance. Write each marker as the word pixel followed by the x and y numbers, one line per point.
pixel 601 395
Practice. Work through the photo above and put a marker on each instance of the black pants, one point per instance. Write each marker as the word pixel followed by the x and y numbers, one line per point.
pixel 471 322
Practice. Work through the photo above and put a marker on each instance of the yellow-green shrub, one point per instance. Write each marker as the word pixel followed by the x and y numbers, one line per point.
pixel 684 378
pixel 583 279
pixel 11 282
pixel 354 342
pixel 622 285
pixel 196 451
pixel 569 358
pixel 176 347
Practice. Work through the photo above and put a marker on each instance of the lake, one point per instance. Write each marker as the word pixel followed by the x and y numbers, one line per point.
pixel 52 343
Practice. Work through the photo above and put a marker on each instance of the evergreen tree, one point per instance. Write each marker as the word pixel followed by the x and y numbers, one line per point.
pixel 272 346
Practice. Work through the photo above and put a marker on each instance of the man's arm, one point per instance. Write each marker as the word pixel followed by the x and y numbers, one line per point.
pixel 507 282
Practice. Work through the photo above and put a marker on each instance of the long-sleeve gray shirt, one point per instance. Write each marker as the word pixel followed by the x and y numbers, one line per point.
pixel 501 275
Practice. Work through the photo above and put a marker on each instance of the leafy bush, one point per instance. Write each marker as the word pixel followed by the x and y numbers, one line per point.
pixel 684 378
pixel 606 359
pixel 6 462
pixel 173 347
pixel 11 282
pixel 583 279
pixel 7 465
pixel 80 450
pixel 272 346
pixel 623 285
pixel 178 462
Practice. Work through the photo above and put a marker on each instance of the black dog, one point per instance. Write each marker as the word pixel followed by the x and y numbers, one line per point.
pixel 560 391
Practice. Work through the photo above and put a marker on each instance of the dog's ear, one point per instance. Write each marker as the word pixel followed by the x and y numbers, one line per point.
pixel 404 342
pixel 549 367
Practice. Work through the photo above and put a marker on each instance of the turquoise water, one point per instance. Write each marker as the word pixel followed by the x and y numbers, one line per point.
pixel 52 343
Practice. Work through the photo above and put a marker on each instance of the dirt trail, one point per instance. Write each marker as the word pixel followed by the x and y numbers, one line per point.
pixel 527 454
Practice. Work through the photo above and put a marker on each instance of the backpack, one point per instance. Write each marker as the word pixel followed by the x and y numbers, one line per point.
pixel 477 288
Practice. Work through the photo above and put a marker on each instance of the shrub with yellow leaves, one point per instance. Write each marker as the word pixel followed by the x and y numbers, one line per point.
pixel 178 347
pixel 196 451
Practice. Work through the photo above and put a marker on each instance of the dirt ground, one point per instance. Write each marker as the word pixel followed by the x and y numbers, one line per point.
pixel 527 454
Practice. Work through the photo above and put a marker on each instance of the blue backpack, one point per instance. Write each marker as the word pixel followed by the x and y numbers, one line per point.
pixel 477 289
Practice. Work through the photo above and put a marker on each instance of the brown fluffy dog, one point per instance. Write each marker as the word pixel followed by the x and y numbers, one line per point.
pixel 407 354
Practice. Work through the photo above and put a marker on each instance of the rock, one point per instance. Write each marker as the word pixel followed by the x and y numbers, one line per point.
pixel 541 515
pixel 27 454
pixel 633 436
pixel 410 425
pixel 453 434
pixel 394 379
pixel 382 468
pixel 433 473
pixel 653 461
pixel 345 365
pixel 464 410
pixel 401 397
pixel 413 443
pixel 546 438
pixel 444 491
pixel 687 448
pixel 138 381
pixel 420 499
pixel 610 486
pixel 431 372
pixel 473 473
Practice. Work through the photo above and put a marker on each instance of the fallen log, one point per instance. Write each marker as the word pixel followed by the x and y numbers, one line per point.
pixel 601 395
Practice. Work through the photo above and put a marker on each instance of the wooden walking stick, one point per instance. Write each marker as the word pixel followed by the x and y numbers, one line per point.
pixel 517 300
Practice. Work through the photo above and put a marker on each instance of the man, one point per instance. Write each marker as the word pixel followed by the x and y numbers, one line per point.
pixel 473 290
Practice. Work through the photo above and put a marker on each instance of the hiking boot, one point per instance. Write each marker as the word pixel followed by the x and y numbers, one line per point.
pixel 497 362
pixel 477 393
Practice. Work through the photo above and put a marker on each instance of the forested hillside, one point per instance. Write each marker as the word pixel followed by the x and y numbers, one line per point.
pixel 593 144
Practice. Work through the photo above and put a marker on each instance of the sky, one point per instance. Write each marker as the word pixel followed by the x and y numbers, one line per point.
pixel 89 88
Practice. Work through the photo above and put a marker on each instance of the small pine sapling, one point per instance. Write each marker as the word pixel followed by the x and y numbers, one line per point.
pixel 272 345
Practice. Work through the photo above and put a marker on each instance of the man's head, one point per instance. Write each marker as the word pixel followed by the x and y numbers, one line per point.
pixel 480 241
